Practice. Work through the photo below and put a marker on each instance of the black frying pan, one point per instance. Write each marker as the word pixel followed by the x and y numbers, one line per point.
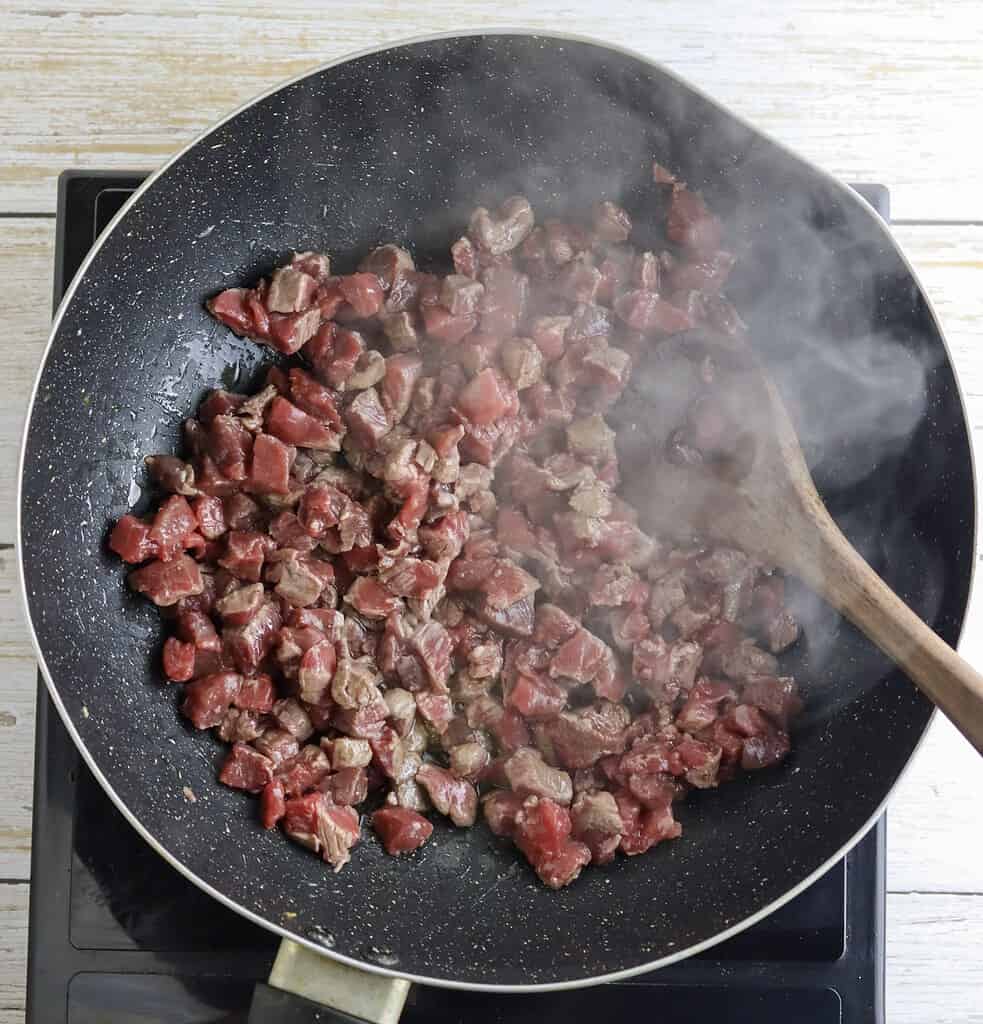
pixel 398 145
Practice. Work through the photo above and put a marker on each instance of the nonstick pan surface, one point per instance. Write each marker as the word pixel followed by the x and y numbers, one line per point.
pixel 398 145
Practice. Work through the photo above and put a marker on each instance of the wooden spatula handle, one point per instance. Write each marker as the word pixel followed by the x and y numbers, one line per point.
pixel 837 571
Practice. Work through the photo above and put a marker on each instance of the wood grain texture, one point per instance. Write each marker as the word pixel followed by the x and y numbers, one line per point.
pixel 881 91
pixel 13 952
pixel 934 959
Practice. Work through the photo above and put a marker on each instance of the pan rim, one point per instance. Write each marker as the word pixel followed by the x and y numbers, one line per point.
pixel 842 189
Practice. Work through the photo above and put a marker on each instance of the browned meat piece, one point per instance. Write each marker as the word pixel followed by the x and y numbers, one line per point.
pixel 580 738
pixel 355 683
pixel 386 262
pixel 668 594
pixel 505 230
pixel 291 717
pixel 350 753
pixel 746 660
pixel 596 811
pixel 453 797
pixel 468 760
pixel 290 291
pixel 611 222
pixel 402 709
pixel 529 775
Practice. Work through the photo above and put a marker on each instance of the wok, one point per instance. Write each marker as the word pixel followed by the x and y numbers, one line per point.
pixel 398 144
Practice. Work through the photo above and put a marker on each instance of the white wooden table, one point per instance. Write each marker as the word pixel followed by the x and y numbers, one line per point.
pixel 878 91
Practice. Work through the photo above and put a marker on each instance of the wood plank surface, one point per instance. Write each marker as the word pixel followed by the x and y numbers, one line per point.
pixel 880 91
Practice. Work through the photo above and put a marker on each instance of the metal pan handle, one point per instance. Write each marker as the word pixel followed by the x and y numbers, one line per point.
pixel 305 987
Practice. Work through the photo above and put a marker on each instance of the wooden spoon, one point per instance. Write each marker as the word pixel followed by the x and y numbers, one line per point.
pixel 775 514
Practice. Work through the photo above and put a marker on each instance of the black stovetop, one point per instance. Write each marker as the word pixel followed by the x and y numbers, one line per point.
pixel 116 935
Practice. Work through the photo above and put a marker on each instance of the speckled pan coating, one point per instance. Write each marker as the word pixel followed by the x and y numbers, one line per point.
pixel 397 145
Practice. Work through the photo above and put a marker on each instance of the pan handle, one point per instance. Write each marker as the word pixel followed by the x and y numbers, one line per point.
pixel 305 987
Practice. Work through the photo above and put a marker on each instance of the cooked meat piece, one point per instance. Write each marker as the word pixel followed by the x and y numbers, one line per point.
pixel 505 230
pixel 596 811
pixel 350 753
pixel 453 797
pixel 467 760
pixel 291 716
pixel 355 683
pixel 529 775
pixel 580 738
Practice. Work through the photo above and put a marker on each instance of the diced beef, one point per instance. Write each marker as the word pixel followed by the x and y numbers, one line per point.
pixel 246 768
pixel 580 738
pixel 468 760
pixel 304 771
pixel 272 805
pixel 269 472
pixel 542 832
pixel 455 798
pixel 401 830
pixel 367 419
pixel 293 426
pixel 166 583
pixel 596 811
pixel 487 398
pixel 529 775
pixel 206 700
pixel 500 809
pixel 178 659
pixel 316 822
pixel 291 716
pixel 316 672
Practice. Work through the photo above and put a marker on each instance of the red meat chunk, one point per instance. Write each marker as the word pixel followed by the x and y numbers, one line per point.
pixel 691 224
pixel 248 645
pixel 370 598
pixel 294 426
pixel 245 552
pixel 206 700
pixel 536 697
pixel 272 805
pixel 166 583
pixel 435 708
pixel 400 829
pixel 172 526
pixel 367 419
pixel 363 292
pixel 402 372
pixel 179 660
pixel 487 398
pixel 229 446
pixel 542 832
pixel 316 822
pixel 313 398
pixel 255 694
pixel 209 515
pixel 777 697
pixel 288 332
pixel 456 798
pixel 246 768
pixel 500 809
pixel 130 539
pixel 270 469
